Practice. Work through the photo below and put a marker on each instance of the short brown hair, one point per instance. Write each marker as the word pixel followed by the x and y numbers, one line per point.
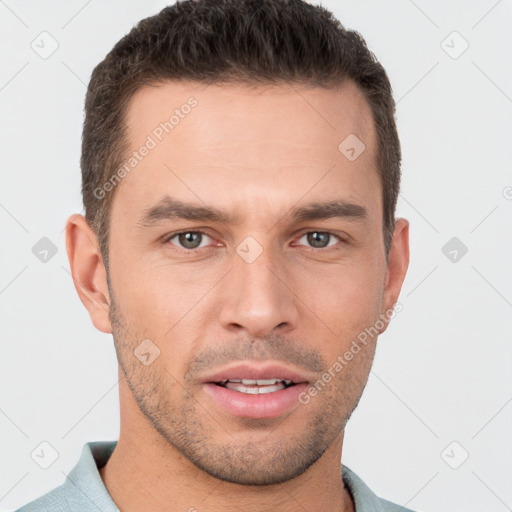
pixel 230 41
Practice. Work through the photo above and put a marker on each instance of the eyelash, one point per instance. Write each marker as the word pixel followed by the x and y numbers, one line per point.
pixel 193 251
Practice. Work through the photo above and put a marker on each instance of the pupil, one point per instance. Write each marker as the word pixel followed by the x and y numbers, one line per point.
pixel 318 239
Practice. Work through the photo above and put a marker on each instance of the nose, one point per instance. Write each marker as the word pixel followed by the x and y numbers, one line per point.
pixel 258 299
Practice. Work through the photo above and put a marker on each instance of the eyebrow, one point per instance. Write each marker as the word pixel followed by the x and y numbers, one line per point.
pixel 169 209
pixel 331 209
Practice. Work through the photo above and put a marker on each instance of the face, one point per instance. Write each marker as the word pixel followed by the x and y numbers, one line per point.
pixel 246 247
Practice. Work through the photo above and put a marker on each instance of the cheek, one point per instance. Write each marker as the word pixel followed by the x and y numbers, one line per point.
pixel 164 302
pixel 147 287
pixel 346 298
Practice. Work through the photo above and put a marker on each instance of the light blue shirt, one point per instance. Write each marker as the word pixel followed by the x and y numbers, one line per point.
pixel 84 490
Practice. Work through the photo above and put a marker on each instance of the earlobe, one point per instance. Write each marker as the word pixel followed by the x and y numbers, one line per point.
pixel 88 271
pixel 397 266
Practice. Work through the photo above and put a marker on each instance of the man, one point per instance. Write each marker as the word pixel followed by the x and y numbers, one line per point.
pixel 240 171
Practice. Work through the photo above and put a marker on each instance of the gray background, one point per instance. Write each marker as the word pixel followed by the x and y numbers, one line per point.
pixel 441 383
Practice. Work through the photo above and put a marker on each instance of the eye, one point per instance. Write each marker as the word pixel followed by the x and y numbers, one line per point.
pixel 320 239
pixel 189 239
pixel 192 240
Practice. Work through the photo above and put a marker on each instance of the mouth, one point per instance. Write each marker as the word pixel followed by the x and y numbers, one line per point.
pixel 255 391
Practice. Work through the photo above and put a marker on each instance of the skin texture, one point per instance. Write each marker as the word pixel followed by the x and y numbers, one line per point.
pixel 256 154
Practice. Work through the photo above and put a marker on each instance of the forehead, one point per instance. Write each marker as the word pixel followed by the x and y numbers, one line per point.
pixel 283 114
pixel 255 140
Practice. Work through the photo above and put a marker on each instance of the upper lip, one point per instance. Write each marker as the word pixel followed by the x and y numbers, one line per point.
pixel 256 372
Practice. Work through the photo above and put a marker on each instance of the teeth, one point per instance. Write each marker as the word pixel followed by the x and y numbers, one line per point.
pixel 263 382
pixel 254 390
pixel 258 382
pixel 255 387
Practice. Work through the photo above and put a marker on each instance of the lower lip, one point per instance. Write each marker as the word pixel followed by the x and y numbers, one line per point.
pixel 264 405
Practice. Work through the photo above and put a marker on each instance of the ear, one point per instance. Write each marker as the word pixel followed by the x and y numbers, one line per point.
pixel 397 266
pixel 88 271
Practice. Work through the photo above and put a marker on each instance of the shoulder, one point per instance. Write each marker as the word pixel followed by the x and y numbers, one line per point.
pixel 388 506
pixel 53 501
pixel 83 488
